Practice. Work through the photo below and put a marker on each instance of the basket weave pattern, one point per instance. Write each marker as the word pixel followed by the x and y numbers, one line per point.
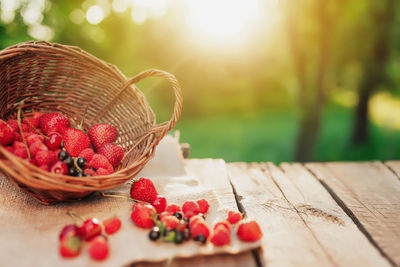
pixel 53 77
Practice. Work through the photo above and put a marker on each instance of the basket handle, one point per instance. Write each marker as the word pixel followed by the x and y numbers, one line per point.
pixel 168 125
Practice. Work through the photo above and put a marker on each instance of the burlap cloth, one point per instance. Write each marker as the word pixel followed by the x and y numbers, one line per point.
pixel 29 231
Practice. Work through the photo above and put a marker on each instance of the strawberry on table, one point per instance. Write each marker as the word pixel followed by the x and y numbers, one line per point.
pixel 203 205
pixel 190 208
pixel 159 203
pixel 103 133
pixel 143 190
pixel 112 225
pixel 172 208
pixel 75 141
pixel 234 217
pixel 171 222
pixel 221 236
pixel 142 215
pixel 249 231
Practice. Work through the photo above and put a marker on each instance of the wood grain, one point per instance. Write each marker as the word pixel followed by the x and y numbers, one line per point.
pixel 394 166
pixel 287 241
pixel 334 230
pixel 370 193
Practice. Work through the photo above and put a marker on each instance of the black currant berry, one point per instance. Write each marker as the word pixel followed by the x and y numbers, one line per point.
pixel 154 234
pixel 63 155
pixel 81 162
pixel 80 174
pixel 201 239
pixel 178 215
pixel 178 237
pixel 73 171
pixel 69 161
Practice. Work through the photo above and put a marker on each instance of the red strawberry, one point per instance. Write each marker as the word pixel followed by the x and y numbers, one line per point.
pixel 75 141
pixel 53 122
pixel 194 219
pixel 6 133
pixel 200 228
pixel 43 158
pixel 36 147
pixel 99 249
pixel 172 208
pixel 143 190
pixel 142 215
pixel 225 224
pixel 249 231
pixel 101 134
pixel 54 141
pixel 34 120
pixel 234 217
pixel 17 145
pixel 21 152
pixel 90 172
pixel 90 229
pixel 203 205
pixel 171 222
pixel 44 167
pixel 190 208
pixel 10 149
pixel 113 153
pixel 159 203
pixel 99 161
pixel 102 171
pixel 32 138
pixel 221 236
pixel 14 125
pixel 70 246
pixel 87 154
pixel 112 225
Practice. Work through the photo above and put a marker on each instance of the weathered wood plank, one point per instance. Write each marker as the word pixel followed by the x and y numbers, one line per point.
pixel 370 193
pixel 330 225
pixel 394 166
pixel 287 241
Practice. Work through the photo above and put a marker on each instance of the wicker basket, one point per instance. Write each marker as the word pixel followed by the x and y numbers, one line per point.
pixel 52 77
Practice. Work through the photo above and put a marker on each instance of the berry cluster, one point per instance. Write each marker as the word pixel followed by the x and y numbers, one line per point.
pixel 48 141
pixel 72 238
pixel 173 223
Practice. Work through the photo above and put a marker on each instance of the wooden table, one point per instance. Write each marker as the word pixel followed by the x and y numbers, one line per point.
pixel 317 214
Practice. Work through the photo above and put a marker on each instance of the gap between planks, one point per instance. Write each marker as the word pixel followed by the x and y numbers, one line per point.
pixel 369 192
pixel 299 216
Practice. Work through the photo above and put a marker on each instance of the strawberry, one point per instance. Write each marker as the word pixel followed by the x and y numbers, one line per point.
pixel 21 152
pixel 159 203
pixel 200 228
pixel 75 141
pixel 45 167
pixel 99 161
pixel 43 158
pixel 36 147
pixel 14 125
pixel 113 153
pixel 234 217
pixel 102 171
pixel 172 208
pixel 6 133
pixel 112 225
pixel 70 246
pixel 221 236
pixel 33 121
pixel 89 172
pixel 190 208
pixel 87 154
pixel 203 205
pixel 103 133
pixel 225 224
pixel 99 249
pixel 171 222
pixel 249 231
pixel 194 219
pixel 17 145
pixel 142 215
pixel 143 190
pixel 53 122
pixel 10 149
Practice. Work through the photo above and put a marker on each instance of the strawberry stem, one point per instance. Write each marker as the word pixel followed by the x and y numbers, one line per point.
pixel 20 130
pixel 119 196
pixel 73 213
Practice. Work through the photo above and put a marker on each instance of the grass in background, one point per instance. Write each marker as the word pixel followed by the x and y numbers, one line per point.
pixel 271 136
